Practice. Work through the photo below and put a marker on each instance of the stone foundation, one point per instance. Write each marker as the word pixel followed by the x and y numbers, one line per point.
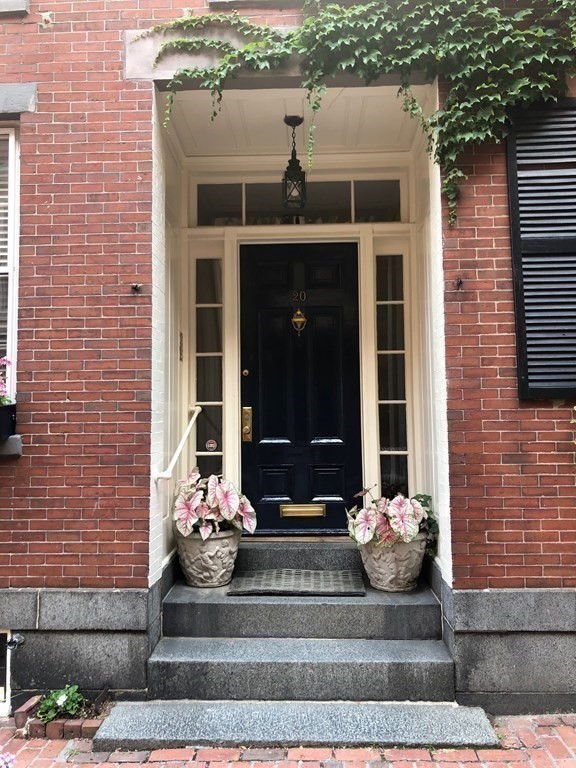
pixel 514 649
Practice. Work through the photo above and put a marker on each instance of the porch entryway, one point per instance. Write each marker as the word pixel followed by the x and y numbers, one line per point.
pixel 301 410
pixel 307 339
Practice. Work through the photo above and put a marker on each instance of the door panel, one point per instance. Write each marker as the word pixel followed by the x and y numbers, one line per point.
pixel 303 386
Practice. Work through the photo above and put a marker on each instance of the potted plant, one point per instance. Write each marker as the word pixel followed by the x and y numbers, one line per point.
pixel 7 404
pixel 392 536
pixel 209 515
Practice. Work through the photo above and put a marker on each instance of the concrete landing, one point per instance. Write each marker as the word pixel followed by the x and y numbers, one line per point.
pixel 163 724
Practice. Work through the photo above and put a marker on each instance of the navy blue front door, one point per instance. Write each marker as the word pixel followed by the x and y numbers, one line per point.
pixel 301 461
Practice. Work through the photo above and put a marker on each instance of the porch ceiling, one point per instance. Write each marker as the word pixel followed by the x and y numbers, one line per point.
pixel 352 120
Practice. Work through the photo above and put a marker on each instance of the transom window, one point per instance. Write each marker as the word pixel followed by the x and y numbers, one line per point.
pixel 328 202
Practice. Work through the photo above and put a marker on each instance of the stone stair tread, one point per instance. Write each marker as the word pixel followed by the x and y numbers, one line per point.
pixel 166 723
pixel 303 669
pixel 315 555
pixel 299 650
pixel 191 612
pixel 181 594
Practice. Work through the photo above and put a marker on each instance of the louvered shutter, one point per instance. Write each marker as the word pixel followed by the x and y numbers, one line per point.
pixel 542 182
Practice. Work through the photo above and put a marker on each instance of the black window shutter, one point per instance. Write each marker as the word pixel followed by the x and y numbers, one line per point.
pixel 542 186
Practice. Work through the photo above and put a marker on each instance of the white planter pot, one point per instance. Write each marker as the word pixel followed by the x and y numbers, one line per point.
pixel 396 568
pixel 208 563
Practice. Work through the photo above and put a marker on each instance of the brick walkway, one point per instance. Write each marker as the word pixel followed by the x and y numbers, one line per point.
pixel 543 741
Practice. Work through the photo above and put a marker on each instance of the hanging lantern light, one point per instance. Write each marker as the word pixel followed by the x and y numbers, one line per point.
pixel 294 179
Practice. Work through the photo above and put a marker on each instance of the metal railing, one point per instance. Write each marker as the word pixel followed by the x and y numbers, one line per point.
pixel 167 474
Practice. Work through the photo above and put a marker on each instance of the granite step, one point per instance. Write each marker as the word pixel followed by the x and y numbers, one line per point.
pixel 191 612
pixel 317 555
pixel 164 724
pixel 286 669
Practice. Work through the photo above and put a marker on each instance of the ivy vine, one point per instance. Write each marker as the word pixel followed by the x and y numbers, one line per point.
pixel 491 58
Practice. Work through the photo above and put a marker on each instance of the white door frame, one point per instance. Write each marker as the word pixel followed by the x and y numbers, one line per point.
pixel 391 239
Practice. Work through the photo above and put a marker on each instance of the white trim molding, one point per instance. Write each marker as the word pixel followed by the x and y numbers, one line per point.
pixel 10 269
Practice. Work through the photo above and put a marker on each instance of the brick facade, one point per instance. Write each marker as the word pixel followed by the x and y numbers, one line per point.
pixel 512 477
pixel 75 509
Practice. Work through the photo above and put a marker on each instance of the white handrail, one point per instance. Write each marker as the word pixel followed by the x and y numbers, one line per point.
pixel 167 474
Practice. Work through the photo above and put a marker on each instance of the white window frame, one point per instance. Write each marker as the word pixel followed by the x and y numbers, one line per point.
pixel 11 268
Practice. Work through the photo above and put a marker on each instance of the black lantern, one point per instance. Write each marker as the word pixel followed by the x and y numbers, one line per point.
pixel 294 179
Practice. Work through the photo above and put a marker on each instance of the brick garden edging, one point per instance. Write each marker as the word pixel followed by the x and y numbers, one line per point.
pixel 29 727
pixel 538 741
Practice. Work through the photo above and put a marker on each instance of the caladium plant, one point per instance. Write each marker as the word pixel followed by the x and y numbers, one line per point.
pixel 206 505
pixel 386 521
pixel 5 398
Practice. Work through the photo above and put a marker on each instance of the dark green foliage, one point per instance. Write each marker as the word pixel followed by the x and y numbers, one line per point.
pixel 68 701
pixel 491 59
pixel 430 524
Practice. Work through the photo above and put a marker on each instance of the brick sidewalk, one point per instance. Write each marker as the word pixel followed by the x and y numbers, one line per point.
pixel 541 741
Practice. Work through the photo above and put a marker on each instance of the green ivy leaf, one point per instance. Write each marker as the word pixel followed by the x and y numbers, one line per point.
pixel 492 59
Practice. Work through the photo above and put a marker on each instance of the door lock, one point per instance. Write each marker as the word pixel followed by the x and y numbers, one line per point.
pixel 246 425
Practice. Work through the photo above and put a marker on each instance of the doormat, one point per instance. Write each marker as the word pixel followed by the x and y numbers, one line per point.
pixel 297 581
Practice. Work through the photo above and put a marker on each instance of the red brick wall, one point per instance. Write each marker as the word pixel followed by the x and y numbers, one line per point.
pixel 512 464
pixel 74 509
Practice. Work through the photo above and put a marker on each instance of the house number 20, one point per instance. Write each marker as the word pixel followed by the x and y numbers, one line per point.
pixel 298 295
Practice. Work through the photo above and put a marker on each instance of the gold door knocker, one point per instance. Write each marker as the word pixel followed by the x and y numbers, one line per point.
pixel 299 321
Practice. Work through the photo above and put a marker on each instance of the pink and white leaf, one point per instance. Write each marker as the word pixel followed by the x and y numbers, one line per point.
pixel 363 492
pixel 351 520
pixel 184 515
pixel 206 529
pixel 196 499
pixel 382 505
pixel 203 511
pixel 385 535
pixel 365 525
pixel 248 515
pixel 236 522
pixel 227 499
pixel 419 511
pixel 194 476
pixel 402 518
pixel 211 491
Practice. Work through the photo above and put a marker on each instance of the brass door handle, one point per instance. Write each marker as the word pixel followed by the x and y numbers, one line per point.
pixel 246 425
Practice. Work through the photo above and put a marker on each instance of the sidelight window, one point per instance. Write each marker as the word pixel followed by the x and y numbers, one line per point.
pixel 390 337
pixel 209 365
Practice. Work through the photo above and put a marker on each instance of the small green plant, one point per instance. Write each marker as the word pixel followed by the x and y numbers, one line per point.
pixel 68 701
